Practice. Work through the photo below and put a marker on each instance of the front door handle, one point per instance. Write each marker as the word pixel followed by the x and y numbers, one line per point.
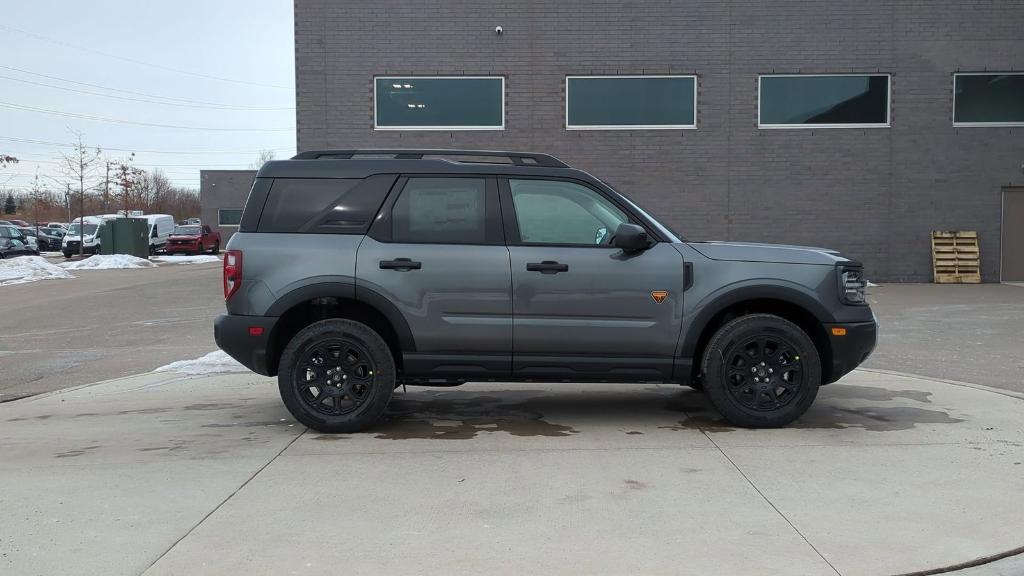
pixel 401 264
pixel 547 267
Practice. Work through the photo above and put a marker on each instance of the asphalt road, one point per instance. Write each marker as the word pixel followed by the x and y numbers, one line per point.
pixel 970 333
pixel 104 324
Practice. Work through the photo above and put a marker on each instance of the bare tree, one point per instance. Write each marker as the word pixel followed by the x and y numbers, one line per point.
pixel 264 157
pixel 7 159
pixel 38 192
pixel 80 165
pixel 131 180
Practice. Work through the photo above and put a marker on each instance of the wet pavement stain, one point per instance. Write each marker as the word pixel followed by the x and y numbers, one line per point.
pixel 212 406
pixel 74 453
pixel 145 411
pixel 157 448
pixel 464 417
pixel 635 484
pixel 25 418
pixel 873 393
pixel 246 424
pixel 634 433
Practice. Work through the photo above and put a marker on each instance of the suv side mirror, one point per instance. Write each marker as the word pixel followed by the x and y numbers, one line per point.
pixel 631 238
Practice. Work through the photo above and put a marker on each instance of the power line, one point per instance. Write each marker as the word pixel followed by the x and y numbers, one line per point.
pixel 42 38
pixel 24 108
pixel 187 153
pixel 180 102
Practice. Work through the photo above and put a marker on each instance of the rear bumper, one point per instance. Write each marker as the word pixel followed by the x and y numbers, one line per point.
pixel 853 348
pixel 233 336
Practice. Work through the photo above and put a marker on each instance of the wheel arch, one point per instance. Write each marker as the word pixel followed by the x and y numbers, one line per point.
pixel 787 302
pixel 307 304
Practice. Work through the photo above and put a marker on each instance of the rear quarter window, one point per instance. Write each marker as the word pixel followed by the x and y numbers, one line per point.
pixel 323 205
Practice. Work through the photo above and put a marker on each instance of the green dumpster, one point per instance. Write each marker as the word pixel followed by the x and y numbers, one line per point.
pixel 125 236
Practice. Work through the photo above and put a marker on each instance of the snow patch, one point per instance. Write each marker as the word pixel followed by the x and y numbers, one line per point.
pixel 200 259
pixel 213 363
pixel 29 269
pixel 108 262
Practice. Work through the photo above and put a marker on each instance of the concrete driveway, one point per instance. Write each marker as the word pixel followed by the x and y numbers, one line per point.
pixel 164 474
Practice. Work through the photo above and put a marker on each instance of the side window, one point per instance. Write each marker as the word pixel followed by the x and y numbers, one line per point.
pixel 557 212
pixel 293 203
pixel 441 210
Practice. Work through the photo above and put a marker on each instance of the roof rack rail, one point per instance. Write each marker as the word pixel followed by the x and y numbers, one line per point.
pixel 517 158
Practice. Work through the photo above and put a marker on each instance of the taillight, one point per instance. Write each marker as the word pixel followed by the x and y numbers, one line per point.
pixel 232 272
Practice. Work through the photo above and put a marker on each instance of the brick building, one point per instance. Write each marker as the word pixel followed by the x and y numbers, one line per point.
pixel 861 126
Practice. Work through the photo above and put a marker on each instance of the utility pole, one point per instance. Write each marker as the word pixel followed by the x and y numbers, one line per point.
pixel 67 202
pixel 106 189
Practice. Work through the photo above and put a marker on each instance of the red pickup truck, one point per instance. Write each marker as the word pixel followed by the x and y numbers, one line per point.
pixel 193 239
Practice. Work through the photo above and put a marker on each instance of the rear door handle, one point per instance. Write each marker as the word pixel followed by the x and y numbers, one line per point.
pixel 401 264
pixel 547 267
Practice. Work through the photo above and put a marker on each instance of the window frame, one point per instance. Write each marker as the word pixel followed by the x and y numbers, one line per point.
pixel 240 212
pixel 981 124
pixel 888 103
pixel 377 126
pixel 569 126
pixel 381 229
pixel 511 217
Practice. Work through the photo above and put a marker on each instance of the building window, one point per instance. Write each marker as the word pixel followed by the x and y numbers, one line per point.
pixel 823 101
pixel 988 99
pixel 229 216
pixel 439 103
pixel 630 102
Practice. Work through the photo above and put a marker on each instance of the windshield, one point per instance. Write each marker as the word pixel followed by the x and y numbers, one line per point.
pixel 90 229
pixel 8 232
pixel 186 230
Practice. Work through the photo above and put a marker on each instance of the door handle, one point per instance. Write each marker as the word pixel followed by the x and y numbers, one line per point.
pixel 401 264
pixel 547 267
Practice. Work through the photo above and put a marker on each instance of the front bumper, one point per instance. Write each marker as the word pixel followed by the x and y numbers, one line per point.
pixel 176 248
pixel 233 335
pixel 852 348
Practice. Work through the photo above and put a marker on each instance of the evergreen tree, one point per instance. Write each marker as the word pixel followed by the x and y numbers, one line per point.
pixel 9 205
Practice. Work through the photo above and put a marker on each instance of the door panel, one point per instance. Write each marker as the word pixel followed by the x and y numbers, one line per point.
pixel 456 298
pixel 1013 235
pixel 581 308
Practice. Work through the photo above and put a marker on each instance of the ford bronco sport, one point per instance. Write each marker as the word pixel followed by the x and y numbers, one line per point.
pixel 356 271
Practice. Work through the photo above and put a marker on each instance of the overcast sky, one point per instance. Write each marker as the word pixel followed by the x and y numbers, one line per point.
pixel 199 64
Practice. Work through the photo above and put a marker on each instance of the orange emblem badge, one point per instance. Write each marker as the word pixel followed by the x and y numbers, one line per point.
pixel 659 295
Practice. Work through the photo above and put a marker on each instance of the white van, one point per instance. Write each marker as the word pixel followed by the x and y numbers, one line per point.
pixel 90 240
pixel 160 228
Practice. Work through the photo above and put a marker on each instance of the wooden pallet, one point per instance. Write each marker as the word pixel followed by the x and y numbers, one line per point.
pixel 955 257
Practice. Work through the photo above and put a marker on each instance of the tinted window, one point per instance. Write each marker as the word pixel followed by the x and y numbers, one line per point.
pixel 186 230
pixel 988 99
pixel 441 210
pixel 444 103
pixel 623 102
pixel 294 203
pixel 556 212
pixel 229 216
pixel 824 100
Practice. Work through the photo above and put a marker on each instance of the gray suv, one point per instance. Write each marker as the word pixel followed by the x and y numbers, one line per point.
pixel 356 271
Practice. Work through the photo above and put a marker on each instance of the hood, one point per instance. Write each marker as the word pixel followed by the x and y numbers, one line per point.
pixel 778 253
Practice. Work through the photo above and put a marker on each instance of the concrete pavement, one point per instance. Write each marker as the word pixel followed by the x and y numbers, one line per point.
pixel 163 474
pixel 104 324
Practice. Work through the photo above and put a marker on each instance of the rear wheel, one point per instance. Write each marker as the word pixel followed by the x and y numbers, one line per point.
pixel 336 376
pixel 761 371
pixel 216 248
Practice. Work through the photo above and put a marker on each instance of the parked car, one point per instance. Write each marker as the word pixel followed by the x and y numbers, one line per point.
pixel 5 223
pixel 13 242
pixel 84 232
pixel 50 239
pixel 161 226
pixel 60 225
pixel 30 235
pixel 433 272
pixel 193 239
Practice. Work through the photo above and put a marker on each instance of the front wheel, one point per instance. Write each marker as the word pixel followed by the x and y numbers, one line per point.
pixel 336 376
pixel 216 248
pixel 761 371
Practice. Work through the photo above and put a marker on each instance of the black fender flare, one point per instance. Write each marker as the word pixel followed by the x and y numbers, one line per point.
pixel 790 293
pixel 344 288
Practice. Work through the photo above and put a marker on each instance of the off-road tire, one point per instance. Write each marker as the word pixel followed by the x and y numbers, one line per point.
pixel 380 389
pixel 724 392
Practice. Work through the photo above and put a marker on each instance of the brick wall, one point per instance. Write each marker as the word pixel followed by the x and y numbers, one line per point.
pixel 873 193
pixel 223 189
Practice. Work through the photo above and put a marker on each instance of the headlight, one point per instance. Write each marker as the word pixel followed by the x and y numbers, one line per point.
pixel 852 284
